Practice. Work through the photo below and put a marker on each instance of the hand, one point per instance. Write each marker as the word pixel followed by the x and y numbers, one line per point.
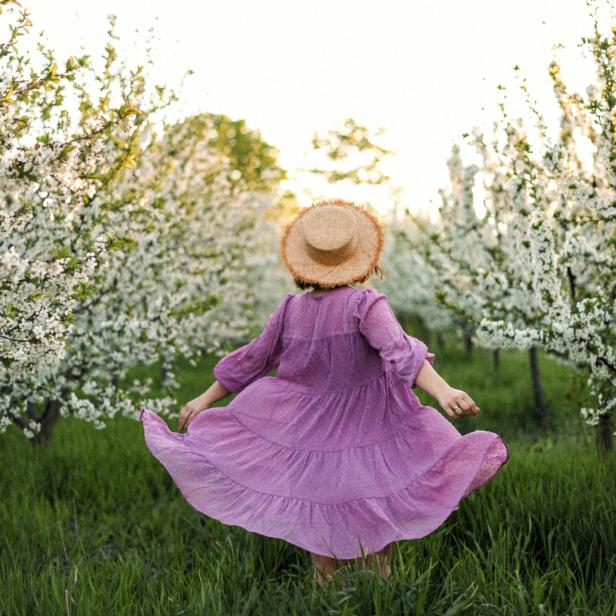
pixel 190 411
pixel 457 403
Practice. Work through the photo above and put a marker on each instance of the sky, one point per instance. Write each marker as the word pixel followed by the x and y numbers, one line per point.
pixel 425 71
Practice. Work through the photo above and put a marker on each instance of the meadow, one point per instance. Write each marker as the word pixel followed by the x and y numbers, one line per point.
pixel 132 231
pixel 92 524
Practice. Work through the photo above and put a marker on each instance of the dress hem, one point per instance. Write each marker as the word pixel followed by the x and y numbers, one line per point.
pixel 380 539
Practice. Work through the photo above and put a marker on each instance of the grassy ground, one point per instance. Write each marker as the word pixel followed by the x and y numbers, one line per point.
pixel 93 524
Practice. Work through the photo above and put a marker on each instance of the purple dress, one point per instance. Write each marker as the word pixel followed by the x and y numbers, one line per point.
pixel 335 453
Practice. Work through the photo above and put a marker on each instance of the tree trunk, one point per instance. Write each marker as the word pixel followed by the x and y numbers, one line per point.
pixel 541 410
pixel 48 420
pixel 605 436
pixel 468 344
pixel 496 359
pixel 441 340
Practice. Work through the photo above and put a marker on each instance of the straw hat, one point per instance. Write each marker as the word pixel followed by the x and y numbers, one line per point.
pixel 332 243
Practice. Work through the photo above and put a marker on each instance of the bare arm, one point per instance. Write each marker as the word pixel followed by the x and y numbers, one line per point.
pixel 216 391
pixel 455 402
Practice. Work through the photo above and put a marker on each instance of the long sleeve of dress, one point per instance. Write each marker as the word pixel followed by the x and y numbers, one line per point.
pixel 255 359
pixel 379 326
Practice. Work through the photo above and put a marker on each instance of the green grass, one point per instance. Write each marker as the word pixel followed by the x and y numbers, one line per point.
pixel 93 524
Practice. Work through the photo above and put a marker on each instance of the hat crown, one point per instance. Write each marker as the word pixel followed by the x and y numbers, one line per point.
pixel 328 229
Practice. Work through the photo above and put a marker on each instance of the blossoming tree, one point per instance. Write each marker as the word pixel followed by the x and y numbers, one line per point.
pixel 537 269
pixel 119 241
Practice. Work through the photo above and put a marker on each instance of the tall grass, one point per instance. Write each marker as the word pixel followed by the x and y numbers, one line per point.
pixel 93 524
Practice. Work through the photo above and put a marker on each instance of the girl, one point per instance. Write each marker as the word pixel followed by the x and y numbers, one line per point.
pixel 335 454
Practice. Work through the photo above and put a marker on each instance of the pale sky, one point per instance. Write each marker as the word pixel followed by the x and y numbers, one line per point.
pixel 426 71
